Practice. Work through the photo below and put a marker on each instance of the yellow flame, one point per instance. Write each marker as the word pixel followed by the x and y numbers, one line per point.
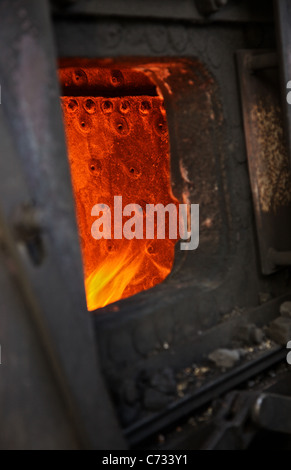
pixel 106 284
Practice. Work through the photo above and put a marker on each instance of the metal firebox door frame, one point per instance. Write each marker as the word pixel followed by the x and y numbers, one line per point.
pixel 52 391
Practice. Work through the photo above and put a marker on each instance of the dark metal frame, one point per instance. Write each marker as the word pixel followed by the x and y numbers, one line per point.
pixel 35 179
pixel 132 332
pixel 259 83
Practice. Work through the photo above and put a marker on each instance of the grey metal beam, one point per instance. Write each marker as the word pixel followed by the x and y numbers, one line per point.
pixel 35 180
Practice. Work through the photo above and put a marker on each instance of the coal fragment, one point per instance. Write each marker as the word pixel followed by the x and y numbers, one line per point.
pixel 224 358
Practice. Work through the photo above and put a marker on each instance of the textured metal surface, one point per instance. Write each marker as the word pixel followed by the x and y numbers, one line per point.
pixel 35 175
pixel 108 158
pixel 33 414
pixel 97 78
pixel 267 156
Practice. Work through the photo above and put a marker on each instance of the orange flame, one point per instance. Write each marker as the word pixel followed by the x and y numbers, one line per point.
pixel 108 282
pixel 119 146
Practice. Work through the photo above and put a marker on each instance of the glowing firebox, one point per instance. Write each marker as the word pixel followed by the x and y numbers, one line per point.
pixel 119 146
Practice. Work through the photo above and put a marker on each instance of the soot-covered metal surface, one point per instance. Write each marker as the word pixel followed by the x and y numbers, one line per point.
pixel 141 365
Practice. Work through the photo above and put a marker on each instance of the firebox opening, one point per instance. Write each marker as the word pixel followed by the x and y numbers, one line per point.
pixel 118 150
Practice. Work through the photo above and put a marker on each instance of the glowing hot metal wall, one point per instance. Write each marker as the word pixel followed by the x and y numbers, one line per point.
pixel 119 147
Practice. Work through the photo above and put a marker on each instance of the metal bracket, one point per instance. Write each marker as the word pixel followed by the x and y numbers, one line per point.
pixel 267 154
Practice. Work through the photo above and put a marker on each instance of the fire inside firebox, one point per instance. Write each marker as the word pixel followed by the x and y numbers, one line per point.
pixel 119 146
